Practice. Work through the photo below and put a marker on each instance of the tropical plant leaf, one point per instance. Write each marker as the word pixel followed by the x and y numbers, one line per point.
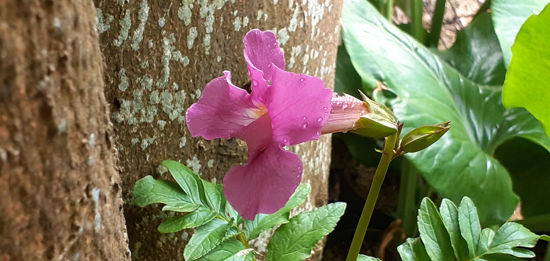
pixel 430 91
pixel 206 238
pixel 527 79
pixel 196 218
pixel 413 250
pixel 294 240
pixel 433 233
pixel 263 222
pixel 148 191
pixel 508 16
pixel 476 53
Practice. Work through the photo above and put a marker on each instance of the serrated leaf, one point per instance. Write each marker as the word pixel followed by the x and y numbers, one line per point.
pixel 196 218
pixel 412 250
pixel 206 238
pixel 433 233
pixel 228 250
pixel 362 257
pixel 430 91
pixel 181 207
pixel 148 191
pixel 470 228
pixel 214 196
pixel 188 181
pixel 508 16
pixel 527 78
pixel 449 216
pixel 294 240
pixel 509 237
pixel 263 222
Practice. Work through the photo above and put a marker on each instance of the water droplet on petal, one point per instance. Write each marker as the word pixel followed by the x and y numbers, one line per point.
pixel 304 125
pixel 325 108
pixel 344 106
pixel 254 83
pixel 305 118
pixel 285 141
pixel 320 119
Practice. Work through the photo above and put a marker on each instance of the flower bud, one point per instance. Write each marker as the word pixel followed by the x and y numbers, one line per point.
pixel 422 137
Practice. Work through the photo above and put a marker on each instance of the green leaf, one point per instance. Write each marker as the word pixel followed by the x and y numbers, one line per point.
pixel 429 91
pixel 263 222
pixel 294 240
pixel 148 191
pixel 527 77
pixel 545 238
pixel 508 16
pixel 188 181
pixel 196 218
pixel 206 238
pixel 433 232
pixel 487 235
pixel 509 237
pixel 412 250
pixel 346 78
pixel 362 257
pixel 214 196
pixel 423 136
pixel 470 228
pixel 231 249
pixel 476 53
pixel 449 216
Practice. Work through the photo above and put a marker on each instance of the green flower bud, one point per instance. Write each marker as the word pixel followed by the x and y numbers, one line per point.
pixel 422 137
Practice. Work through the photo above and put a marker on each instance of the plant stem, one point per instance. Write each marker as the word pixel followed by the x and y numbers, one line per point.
pixel 407 198
pixel 389 10
pixel 437 22
pixel 379 175
pixel 416 20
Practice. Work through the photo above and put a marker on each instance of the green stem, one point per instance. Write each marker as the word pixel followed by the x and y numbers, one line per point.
pixel 389 10
pixel 437 22
pixel 407 198
pixel 379 175
pixel 416 20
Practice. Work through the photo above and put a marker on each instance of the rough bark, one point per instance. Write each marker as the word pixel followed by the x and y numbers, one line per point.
pixel 60 196
pixel 159 56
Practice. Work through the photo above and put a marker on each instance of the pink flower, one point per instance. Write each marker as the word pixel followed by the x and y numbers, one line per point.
pixel 283 109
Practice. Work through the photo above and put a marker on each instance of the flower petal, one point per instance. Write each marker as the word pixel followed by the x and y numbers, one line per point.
pixel 222 110
pixel 265 183
pixel 261 52
pixel 257 135
pixel 298 105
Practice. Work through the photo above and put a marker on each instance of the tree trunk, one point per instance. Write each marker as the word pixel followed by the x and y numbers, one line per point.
pixel 60 196
pixel 159 56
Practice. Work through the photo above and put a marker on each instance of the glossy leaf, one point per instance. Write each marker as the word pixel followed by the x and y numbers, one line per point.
pixel 231 249
pixel 346 79
pixel 470 228
pixel 433 233
pixel 508 16
pixel 412 250
pixel 196 218
pixel 148 191
pixel 423 136
pixel 206 238
pixel 449 216
pixel 188 181
pixel 294 240
pixel 263 222
pixel 510 238
pixel 476 53
pixel 527 79
pixel 431 91
pixel 214 196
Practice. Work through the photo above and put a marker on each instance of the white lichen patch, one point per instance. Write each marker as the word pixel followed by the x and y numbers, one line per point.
pixel 194 164
pixel 145 143
pixel 183 141
pixel 167 49
pixel 219 58
pixel 97 218
pixel 185 14
pixel 161 124
pixel 102 24
pixel 315 12
pixel 260 14
pixel 162 22
pixel 135 141
pixel 191 37
pixel 143 14
pixel 245 21
pixel 294 20
pixel 144 65
pixel 210 164
pixel 295 51
pixel 283 36
pixel 237 24
pixel 125 24
pixel 161 169
pixel 123 85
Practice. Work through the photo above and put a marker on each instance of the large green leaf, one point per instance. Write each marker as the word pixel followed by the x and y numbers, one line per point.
pixel 188 181
pixel 149 191
pixel 263 222
pixel 206 238
pixel 508 16
pixel 293 241
pixel 527 80
pixel 511 238
pixel 430 91
pixel 196 218
pixel 476 53
pixel 433 232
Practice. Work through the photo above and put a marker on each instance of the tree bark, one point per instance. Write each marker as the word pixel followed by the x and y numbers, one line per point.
pixel 60 195
pixel 159 56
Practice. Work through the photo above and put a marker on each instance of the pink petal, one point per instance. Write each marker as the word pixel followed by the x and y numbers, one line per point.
pixel 257 135
pixel 345 114
pixel 222 110
pixel 299 105
pixel 265 183
pixel 261 52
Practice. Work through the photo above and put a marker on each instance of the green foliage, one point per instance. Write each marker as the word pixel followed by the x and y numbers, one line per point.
pixel 367 258
pixel 455 234
pixel 429 90
pixel 508 16
pixel 527 77
pixel 221 234
pixel 294 240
